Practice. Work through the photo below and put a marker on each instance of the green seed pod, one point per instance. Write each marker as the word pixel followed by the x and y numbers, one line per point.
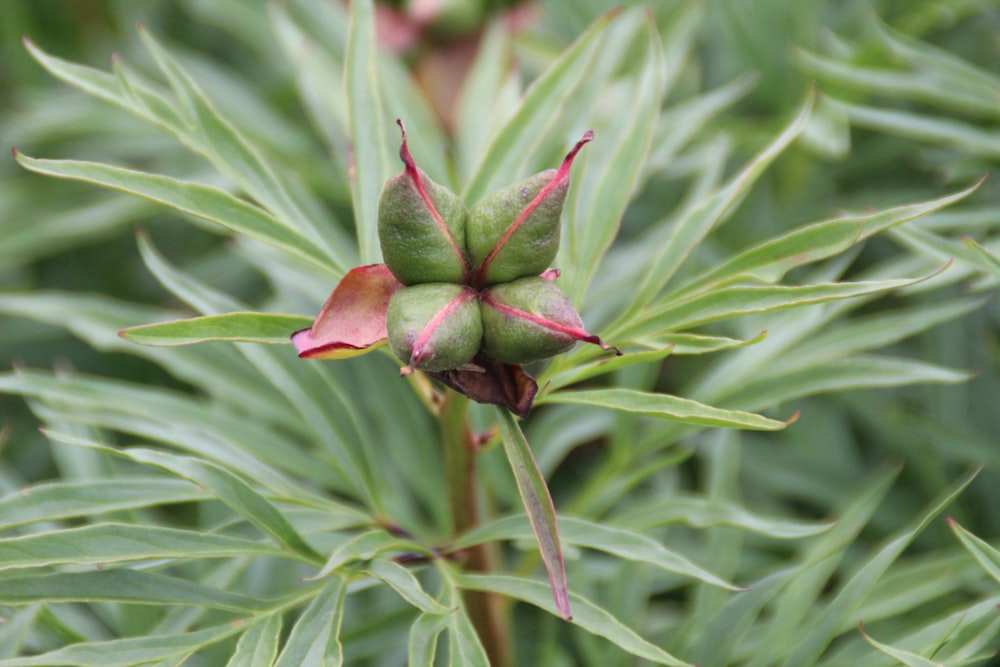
pixel 434 327
pixel 529 319
pixel 514 233
pixel 421 227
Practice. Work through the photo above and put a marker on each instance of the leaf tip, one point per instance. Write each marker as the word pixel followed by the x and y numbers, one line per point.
pixel 140 26
pixel 13 151
pixel 794 418
pixel 951 521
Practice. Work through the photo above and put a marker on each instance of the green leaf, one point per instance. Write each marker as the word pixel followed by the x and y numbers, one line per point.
pixel 537 505
pixel 987 259
pixel 547 95
pixel 745 299
pixel 263 328
pixel 232 153
pixel 366 546
pixel 694 224
pixel 964 137
pixel 118 585
pixel 62 500
pixel 370 152
pixel 103 543
pixel 842 609
pixel 614 540
pixel 128 652
pixel 224 485
pixel 905 657
pixel 201 201
pixel 587 615
pixel 664 406
pixel 423 641
pixel 861 371
pixel 258 646
pixel 614 170
pixel 315 637
pixel 406 584
pixel 771 260
pixel 699 512
pixel 987 556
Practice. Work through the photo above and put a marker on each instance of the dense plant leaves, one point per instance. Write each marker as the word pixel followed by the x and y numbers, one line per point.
pixel 263 328
pixel 202 201
pixel 240 496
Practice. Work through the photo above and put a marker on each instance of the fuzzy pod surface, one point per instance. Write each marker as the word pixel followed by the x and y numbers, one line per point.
pixel 528 319
pixel 434 326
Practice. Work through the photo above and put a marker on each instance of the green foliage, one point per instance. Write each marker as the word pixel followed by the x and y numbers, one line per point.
pixel 753 479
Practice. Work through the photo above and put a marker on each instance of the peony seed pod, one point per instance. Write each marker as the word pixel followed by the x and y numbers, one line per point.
pixel 514 233
pixel 434 327
pixel 530 319
pixel 421 227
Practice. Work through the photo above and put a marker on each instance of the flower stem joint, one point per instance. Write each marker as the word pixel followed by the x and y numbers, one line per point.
pixel 465 295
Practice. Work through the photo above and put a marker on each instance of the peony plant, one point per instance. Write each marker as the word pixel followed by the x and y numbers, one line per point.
pixel 465 295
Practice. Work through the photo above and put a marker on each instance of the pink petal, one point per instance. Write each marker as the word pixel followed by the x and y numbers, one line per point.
pixel 352 320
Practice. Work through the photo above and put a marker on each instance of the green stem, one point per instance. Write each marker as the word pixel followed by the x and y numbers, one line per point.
pixel 486 610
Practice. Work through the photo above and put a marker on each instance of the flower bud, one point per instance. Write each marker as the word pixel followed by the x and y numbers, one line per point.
pixel 434 327
pixel 514 233
pixel 421 227
pixel 530 319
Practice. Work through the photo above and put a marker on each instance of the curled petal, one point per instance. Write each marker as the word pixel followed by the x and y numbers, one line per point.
pixel 352 320
pixel 487 380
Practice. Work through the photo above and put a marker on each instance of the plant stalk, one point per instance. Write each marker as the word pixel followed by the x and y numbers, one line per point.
pixel 487 611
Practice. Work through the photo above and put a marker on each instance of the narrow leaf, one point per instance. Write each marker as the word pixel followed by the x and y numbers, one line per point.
pixel 103 543
pixel 365 546
pixel 118 585
pixel 202 201
pixel 537 505
pixel 985 555
pixel 224 485
pixel 258 646
pixel 315 637
pixel 539 108
pixel 614 540
pixel 62 500
pixel 588 615
pixel 369 146
pixel 745 299
pixel 904 657
pixel 987 258
pixel 665 406
pixel 841 610
pixel 263 328
pixel 406 584
pixel 127 652
pixel 424 633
